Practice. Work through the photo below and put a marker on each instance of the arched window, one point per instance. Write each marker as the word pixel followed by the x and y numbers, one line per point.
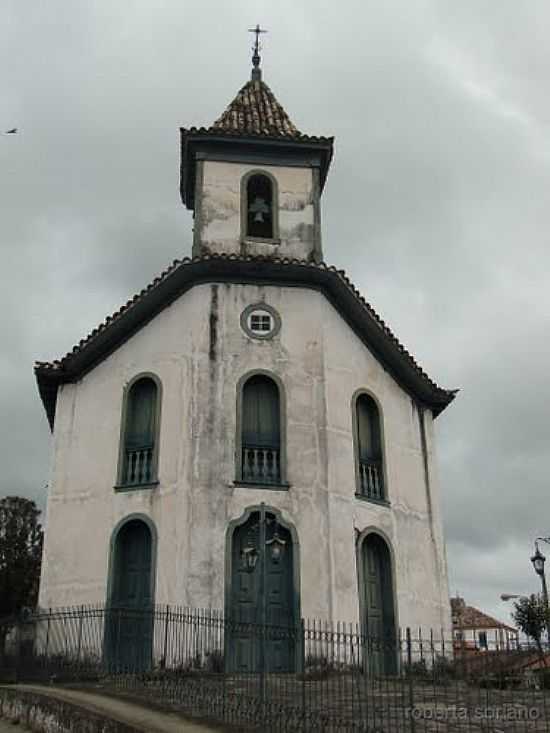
pixel 261 431
pixel 260 207
pixel 368 449
pixel 138 464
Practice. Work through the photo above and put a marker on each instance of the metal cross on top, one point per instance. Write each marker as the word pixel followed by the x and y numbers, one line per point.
pixel 256 72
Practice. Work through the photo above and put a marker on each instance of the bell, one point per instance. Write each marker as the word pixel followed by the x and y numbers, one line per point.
pixel 259 208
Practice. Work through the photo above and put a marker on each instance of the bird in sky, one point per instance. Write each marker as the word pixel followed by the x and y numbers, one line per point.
pixel 13 131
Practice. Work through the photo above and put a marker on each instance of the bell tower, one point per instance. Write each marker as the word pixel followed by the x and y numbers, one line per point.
pixel 253 180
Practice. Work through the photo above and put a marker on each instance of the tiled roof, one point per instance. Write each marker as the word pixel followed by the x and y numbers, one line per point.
pixel 256 111
pixel 468 617
pixel 183 274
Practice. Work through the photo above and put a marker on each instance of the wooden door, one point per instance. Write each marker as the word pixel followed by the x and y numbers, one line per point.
pixel 131 608
pixel 279 602
pixel 378 604
pixel 261 613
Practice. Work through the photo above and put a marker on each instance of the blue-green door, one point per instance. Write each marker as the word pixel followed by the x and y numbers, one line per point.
pixel 262 619
pixel 379 620
pixel 130 613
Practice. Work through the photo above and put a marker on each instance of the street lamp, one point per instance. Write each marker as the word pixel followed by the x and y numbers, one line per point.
pixel 538 561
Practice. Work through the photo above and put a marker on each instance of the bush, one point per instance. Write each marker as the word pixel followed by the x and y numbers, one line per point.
pixel 316 668
pixel 441 672
pixel 417 669
pixel 444 671
pixel 543 678
pixel 215 661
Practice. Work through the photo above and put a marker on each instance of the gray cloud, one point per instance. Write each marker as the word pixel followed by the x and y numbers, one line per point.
pixel 436 205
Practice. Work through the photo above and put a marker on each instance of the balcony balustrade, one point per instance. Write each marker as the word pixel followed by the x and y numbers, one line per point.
pixel 371 479
pixel 138 467
pixel 261 465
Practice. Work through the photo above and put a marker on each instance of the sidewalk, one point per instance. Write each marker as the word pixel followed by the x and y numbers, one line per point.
pixel 130 713
pixel 6 727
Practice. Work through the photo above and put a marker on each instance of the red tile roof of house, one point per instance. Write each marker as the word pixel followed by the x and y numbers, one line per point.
pixel 468 617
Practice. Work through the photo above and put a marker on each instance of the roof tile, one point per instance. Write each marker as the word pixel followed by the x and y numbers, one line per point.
pixel 469 617
pixel 256 111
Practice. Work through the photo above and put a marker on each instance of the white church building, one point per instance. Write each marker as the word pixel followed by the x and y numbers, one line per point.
pixel 247 405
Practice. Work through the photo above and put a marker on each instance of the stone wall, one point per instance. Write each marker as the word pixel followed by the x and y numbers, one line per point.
pixel 45 714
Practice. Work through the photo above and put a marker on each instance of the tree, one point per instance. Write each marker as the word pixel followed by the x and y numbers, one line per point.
pixel 531 615
pixel 20 554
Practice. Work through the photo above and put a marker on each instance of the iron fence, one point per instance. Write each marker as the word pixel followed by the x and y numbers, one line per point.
pixel 312 676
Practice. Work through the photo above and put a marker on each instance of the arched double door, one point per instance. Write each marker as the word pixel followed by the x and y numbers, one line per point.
pixel 130 609
pixel 377 606
pixel 261 603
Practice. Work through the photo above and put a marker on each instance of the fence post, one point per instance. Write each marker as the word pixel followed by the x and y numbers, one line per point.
pixel 79 643
pixel 303 668
pixel 410 680
pixel 17 649
pixel 165 650
pixel 47 647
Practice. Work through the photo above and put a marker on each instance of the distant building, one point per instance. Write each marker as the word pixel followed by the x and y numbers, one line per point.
pixel 475 630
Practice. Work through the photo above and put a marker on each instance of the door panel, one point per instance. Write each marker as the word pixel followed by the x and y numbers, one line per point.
pixel 274 606
pixel 379 621
pixel 130 617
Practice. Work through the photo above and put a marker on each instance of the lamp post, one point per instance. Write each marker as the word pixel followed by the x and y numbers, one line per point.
pixel 538 561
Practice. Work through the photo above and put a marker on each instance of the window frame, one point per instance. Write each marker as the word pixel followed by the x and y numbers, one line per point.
pixel 384 501
pixel 121 485
pixel 283 484
pixel 261 306
pixel 245 237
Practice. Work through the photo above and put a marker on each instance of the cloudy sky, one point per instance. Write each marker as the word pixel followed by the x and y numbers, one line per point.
pixel 437 205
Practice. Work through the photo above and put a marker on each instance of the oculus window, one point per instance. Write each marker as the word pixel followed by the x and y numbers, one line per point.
pixel 260 321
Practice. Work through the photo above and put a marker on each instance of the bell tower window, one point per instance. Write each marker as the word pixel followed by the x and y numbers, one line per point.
pixel 260 205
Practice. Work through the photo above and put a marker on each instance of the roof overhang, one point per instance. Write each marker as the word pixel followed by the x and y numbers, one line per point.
pixel 195 143
pixel 184 275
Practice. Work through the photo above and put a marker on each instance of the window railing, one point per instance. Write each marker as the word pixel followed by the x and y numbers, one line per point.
pixel 138 466
pixel 261 464
pixel 371 481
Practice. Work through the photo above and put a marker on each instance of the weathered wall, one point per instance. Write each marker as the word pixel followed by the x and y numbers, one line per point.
pixel 218 211
pixel 199 352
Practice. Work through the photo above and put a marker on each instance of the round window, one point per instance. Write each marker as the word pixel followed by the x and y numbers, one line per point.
pixel 260 321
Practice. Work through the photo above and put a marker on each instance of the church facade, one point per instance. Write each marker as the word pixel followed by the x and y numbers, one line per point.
pixel 246 433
